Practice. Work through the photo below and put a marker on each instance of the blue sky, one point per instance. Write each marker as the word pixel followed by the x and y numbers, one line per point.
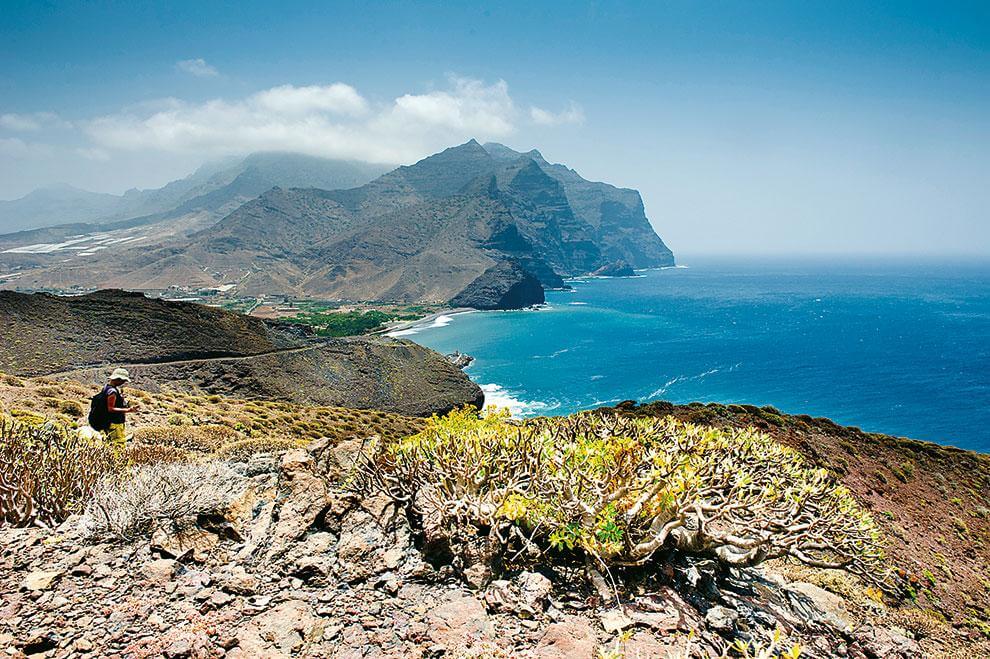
pixel 748 127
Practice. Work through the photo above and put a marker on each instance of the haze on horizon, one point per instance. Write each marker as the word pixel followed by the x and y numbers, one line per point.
pixel 776 127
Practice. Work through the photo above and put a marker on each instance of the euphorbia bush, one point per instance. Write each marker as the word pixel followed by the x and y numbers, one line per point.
pixel 621 489
pixel 47 471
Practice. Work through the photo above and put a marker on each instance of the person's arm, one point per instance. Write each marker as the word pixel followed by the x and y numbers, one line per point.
pixel 112 404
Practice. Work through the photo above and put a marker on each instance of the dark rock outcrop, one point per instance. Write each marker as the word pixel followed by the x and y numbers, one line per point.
pixel 505 285
pixel 615 269
pixel 46 333
pixel 459 359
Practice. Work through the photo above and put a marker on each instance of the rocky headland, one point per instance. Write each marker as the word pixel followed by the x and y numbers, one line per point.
pixel 615 269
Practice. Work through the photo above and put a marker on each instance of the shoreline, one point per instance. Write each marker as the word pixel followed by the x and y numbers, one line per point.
pixel 409 327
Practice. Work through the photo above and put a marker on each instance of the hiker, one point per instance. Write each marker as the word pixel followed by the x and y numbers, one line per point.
pixel 109 407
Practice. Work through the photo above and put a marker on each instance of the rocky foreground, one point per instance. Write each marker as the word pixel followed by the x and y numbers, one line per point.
pixel 298 566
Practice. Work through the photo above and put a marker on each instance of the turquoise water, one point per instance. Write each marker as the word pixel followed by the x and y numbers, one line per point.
pixel 890 347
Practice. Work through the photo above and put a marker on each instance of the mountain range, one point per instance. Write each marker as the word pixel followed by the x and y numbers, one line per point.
pixel 214 189
pixel 482 226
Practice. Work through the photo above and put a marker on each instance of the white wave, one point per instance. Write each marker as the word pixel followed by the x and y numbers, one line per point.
pixel 577 304
pixel 497 396
pixel 553 355
pixel 439 321
pixel 683 378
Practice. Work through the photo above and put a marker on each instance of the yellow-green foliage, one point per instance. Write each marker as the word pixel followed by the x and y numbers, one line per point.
pixel 245 448
pixel 47 471
pixel 620 489
pixel 216 435
pixel 27 417
pixel 71 408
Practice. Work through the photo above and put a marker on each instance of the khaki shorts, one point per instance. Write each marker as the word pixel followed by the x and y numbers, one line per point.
pixel 116 436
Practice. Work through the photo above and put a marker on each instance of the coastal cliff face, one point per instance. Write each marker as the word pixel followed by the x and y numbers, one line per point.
pixel 503 286
pixel 427 232
pixel 191 347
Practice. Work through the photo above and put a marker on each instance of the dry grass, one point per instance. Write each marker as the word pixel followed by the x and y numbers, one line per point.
pixel 200 425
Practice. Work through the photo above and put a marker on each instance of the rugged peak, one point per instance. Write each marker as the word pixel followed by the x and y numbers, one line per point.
pixel 501 152
pixel 471 148
pixel 449 171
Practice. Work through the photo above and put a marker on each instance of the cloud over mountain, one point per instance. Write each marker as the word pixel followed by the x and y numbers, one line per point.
pixel 332 120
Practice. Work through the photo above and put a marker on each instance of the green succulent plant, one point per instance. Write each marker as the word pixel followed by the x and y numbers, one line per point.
pixel 620 489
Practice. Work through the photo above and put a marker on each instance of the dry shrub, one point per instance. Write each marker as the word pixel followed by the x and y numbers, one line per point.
pixel 146 454
pixel 71 408
pixel 240 451
pixel 47 472
pixel 219 434
pixel 133 503
pixel 11 380
pixel 28 417
pixel 189 438
pixel 618 490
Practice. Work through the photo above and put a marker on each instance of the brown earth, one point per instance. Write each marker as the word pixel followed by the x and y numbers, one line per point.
pixel 43 333
pixel 200 349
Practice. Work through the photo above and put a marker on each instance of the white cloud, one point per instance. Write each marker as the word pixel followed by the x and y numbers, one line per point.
pixel 468 106
pixel 572 115
pixel 155 140
pixel 197 67
pixel 333 120
pixel 337 98
pixel 30 122
pixel 15 148
pixel 98 155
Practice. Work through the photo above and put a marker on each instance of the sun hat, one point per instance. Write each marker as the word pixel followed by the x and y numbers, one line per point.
pixel 120 374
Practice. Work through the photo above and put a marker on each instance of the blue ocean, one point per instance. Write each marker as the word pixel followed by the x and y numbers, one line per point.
pixel 893 347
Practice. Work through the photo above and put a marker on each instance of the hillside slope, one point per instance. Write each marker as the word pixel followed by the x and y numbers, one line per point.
pixel 932 502
pixel 190 347
pixel 294 561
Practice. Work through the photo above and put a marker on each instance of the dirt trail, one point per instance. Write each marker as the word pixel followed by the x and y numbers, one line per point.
pixel 86 370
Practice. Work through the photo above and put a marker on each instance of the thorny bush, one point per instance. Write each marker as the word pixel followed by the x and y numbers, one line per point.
pixel 617 490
